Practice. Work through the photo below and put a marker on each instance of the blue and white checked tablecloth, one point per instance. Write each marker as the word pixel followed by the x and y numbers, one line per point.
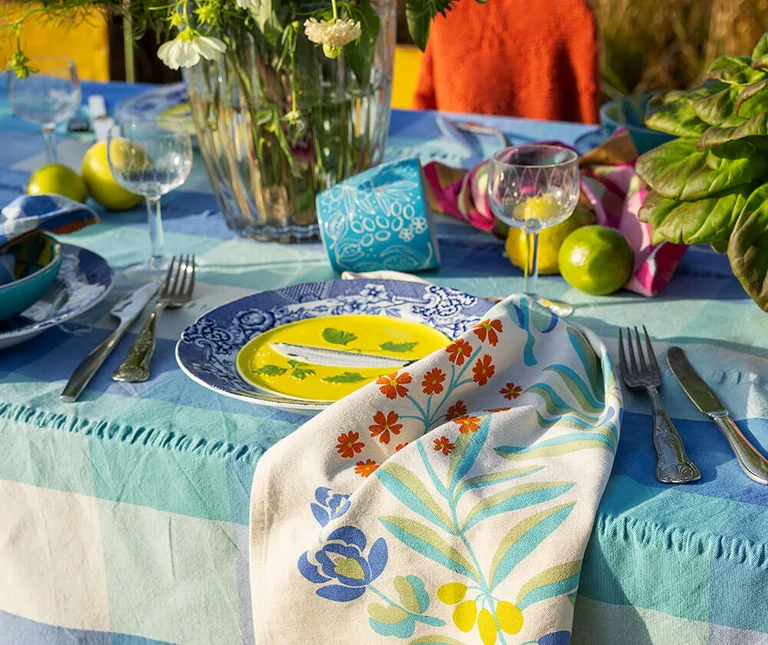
pixel 123 518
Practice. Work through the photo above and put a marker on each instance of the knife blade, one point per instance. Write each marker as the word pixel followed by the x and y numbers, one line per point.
pixel 126 311
pixel 336 357
pixel 705 399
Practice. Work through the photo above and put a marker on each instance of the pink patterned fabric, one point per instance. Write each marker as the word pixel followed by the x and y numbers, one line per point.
pixel 612 190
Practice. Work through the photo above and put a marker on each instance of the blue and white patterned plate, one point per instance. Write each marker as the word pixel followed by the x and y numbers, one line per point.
pixel 168 105
pixel 84 280
pixel 207 350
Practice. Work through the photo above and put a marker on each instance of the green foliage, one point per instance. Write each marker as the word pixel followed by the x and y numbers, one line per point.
pixel 271 370
pixel 709 185
pixel 389 346
pixel 345 377
pixel 338 336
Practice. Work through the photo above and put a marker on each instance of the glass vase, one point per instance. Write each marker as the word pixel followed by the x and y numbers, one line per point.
pixel 276 129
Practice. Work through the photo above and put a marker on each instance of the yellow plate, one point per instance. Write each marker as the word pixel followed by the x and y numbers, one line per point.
pixel 263 366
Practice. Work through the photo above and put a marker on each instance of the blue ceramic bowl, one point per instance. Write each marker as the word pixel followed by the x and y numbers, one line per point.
pixel 37 263
pixel 629 112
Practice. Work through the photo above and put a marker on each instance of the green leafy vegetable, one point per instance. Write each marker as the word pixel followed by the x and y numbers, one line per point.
pixel 294 363
pixel 703 220
pixel 337 336
pixel 271 370
pixel 679 171
pixel 301 372
pixel 748 247
pixel 345 377
pixel 710 185
pixel 389 346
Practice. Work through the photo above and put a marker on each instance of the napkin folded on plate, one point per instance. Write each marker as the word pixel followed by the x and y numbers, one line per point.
pixel 609 187
pixel 52 213
pixel 448 502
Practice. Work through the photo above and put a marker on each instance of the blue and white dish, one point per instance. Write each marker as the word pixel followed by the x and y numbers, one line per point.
pixel 168 105
pixel 379 219
pixel 83 281
pixel 208 349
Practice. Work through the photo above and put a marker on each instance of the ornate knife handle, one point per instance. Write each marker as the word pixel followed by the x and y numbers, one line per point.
pixel 750 459
pixel 135 367
pixel 672 463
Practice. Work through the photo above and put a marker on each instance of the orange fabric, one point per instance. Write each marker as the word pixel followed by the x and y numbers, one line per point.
pixel 531 58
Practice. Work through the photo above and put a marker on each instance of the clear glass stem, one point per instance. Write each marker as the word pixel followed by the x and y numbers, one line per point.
pixel 49 138
pixel 156 236
pixel 530 284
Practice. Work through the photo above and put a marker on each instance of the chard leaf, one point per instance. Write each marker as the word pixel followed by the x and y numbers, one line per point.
pixel 760 53
pixel 748 247
pixel 672 113
pixel 753 99
pixel 756 129
pixel 719 247
pixel 736 70
pixel 718 107
pixel 705 220
pixel 679 171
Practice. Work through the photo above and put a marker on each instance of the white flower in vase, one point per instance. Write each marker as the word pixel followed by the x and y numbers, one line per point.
pixel 250 5
pixel 332 34
pixel 186 49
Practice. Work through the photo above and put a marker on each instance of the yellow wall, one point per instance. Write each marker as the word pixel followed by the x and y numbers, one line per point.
pixel 405 76
pixel 87 43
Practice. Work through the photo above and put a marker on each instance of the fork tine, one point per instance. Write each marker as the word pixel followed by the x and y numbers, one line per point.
pixel 179 264
pixel 191 287
pixel 167 280
pixel 631 351
pixel 640 356
pixel 184 271
pixel 622 357
pixel 651 354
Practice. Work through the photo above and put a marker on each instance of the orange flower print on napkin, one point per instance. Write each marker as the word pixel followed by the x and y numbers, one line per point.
pixel 393 385
pixel 443 445
pixel 490 329
pixel 458 409
pixel 348 444
pixel 458 351
pixel 433 381
pixel 511 391
pixel 365 468
pixel 382 426
pixel 467 424
pixel 400 446
pixel 483 370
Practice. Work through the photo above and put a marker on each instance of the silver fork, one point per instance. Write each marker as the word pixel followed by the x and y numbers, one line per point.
pixel 672 463
pixel 176 291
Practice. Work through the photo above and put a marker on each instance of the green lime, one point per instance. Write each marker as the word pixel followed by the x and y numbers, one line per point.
pixel 596 260
pixel 58 179
pixel 550 241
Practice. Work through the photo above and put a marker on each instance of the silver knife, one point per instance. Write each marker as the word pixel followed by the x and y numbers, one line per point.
pixel 751 461
pixel 126 311
pixel 336 357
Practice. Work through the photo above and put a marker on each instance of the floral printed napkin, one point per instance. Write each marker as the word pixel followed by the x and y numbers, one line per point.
pixel 449 502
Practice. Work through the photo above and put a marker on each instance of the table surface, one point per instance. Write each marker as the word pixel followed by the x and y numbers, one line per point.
pixel 125 515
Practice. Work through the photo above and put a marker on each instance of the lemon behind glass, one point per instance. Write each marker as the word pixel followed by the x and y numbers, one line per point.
pixel 101 184
pixel 596 259
pixel 58 179
pixel 550 241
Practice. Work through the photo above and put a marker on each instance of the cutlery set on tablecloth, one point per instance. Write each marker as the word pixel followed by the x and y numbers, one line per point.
pixel 673 466
pixel 175 291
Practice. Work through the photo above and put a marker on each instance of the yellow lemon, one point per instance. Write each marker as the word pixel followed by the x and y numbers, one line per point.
pixel 596 260
pixel 464 615
pixel 510 617
pixel 550 241
pixel 486 625
pixel 58 179
pixel 101 184
pixel 452 593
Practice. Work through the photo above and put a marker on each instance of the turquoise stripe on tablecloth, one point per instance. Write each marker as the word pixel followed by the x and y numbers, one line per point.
pixel 155 477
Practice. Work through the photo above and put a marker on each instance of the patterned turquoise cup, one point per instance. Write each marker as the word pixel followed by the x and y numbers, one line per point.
pixel 36 263
pixel 379 219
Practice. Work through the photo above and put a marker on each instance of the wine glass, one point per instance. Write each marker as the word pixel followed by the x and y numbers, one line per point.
pixel 534 187
pixel 49 95
pixel 149 161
